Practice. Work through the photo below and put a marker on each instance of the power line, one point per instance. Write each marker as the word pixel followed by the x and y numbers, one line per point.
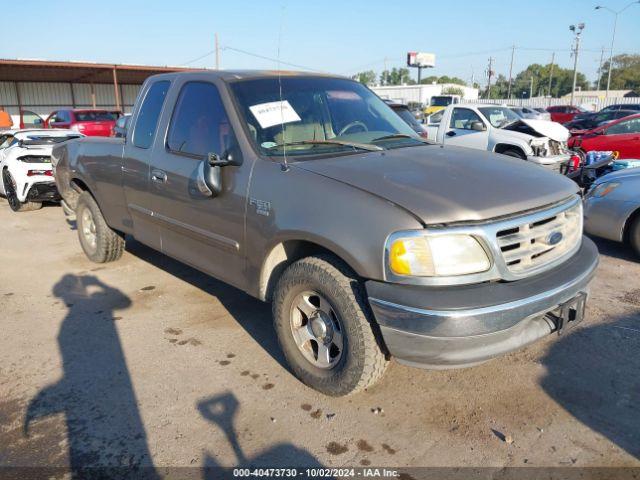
pixel 196 59
pixel 264 57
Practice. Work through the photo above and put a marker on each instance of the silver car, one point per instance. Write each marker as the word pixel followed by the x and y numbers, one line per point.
pixel 612 208
pixel 531 113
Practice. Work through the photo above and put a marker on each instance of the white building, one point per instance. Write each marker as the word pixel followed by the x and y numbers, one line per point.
pixel 420 93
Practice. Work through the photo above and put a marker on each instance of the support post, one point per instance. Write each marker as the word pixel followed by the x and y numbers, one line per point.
pixel 73 95
pixel 93 95
pixel 115 88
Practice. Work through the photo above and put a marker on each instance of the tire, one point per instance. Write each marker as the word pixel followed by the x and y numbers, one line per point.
pixel 12 197
pixel 510 152
pixel 634 235
pixel 100 243
pixel 361 362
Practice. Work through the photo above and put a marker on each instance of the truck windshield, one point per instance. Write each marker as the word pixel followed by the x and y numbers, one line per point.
pixel 317 115
pixel 499 116
pixel 441 101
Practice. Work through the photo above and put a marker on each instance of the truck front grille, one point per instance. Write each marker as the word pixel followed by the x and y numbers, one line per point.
pixel 533 244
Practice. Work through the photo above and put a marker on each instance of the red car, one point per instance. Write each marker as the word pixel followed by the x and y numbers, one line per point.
pixel 564 113
pixel 93 123
pixel 621 136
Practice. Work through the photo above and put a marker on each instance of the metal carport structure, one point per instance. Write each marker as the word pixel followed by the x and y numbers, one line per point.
pixel 42 86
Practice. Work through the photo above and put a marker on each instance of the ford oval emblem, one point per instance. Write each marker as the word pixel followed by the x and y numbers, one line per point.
pixel 554 238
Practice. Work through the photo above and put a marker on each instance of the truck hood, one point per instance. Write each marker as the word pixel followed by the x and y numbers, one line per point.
pixel 546 128
pixel 442 185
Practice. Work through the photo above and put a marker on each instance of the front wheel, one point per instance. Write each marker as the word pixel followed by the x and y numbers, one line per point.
pixel 100 243
pixel 12 196
pixel 324 327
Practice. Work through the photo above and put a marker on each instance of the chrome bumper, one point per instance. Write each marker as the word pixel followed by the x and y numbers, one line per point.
pixel 461 326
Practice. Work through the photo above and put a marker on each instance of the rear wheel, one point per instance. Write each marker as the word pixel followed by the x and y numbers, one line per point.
pixel 324 327
pixel 100 243
pixel 634 235
pixel 12 195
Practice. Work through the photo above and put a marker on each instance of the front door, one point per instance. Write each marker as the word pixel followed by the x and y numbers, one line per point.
pixel 203 231
pixel 460 132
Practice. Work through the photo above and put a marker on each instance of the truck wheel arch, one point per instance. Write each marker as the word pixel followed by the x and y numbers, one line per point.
pixel 503 147
pixel 283 254
pixel 77 187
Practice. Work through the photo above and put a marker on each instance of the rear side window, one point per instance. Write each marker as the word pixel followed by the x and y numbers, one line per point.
pixel 95 116
pixel 628 126
pixel 199 124
pixel 147 120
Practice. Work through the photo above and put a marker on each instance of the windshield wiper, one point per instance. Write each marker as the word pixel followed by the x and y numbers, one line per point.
pixel 398 135
pixel 360 146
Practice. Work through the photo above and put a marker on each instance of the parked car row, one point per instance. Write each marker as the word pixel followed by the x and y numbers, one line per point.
pixel 89 122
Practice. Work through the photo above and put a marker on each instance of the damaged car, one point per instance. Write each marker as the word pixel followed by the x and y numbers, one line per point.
pixel 498 129
pixel 25 163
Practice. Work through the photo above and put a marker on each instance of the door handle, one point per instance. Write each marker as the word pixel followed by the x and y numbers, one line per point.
pixel 158 176
pixel 450 133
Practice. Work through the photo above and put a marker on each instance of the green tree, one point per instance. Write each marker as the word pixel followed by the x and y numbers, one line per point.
pixel 397 76
pixel 625 74
pixel 368 77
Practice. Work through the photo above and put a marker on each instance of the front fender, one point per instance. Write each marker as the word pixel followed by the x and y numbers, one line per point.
pixel 349 222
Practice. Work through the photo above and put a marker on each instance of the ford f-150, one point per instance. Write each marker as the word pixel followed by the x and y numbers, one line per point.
pixel 308 191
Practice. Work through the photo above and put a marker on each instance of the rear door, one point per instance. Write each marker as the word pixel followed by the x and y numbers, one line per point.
pixel 136 167
pixel 203 231
pixel 460 133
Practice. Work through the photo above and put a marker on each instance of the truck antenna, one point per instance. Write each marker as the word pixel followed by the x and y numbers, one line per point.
pixel 285 165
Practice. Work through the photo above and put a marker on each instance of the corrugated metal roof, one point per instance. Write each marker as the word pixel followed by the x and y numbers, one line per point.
pixel 78 72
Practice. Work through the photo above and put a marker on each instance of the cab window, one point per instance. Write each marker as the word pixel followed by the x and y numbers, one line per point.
pixel 462 118
pixel 149 113
pixel 199 124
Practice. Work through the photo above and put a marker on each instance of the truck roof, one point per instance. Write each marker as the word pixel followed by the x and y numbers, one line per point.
pixel 246 74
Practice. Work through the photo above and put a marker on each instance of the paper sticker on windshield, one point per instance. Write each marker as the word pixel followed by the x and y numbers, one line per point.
pixel 274 113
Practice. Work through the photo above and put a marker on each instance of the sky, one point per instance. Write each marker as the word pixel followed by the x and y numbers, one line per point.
pixel 341 37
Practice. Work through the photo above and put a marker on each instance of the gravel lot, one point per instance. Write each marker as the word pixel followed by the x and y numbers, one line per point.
pixel 148 362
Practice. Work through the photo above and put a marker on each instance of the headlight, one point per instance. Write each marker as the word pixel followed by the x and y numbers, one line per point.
pixel 424 255
pixel 603 189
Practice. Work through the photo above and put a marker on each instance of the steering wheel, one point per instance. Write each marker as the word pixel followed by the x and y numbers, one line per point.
pixel 349 126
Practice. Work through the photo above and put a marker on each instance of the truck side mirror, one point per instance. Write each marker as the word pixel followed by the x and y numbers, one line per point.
pixel 209 177
pixel 478 126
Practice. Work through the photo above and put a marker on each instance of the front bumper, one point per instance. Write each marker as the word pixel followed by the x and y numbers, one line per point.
pixel 553 162
pixel 450 327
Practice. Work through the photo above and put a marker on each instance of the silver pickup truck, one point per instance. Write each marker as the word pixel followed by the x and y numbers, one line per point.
pixel 309 192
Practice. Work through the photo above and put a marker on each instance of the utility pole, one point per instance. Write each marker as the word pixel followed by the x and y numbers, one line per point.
pixel 553 58
pixel 600 68
pixel 217 53
pixel 531 87
pixel 613 37
pixel 577 30
pixel 489 74
pixel 513 51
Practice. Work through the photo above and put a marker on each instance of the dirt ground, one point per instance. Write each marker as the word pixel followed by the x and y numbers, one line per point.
pixel 148 362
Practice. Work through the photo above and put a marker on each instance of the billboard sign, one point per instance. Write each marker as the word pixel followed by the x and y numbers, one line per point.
pixel 421 59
